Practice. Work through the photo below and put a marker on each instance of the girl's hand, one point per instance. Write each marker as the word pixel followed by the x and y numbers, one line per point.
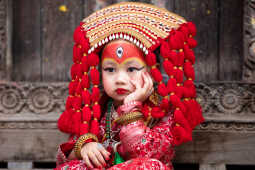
pixel 96 153
pixel 141 92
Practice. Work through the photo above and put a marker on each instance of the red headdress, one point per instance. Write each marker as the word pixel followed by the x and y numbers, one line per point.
pixel 149 28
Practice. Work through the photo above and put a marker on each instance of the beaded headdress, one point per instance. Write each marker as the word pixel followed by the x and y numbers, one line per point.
pixel 149 28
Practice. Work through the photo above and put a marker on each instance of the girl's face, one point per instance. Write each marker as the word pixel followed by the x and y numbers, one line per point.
pixel 122 62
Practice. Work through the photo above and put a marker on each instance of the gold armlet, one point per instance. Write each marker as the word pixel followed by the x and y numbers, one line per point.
pixel 80 142
pixel 129 118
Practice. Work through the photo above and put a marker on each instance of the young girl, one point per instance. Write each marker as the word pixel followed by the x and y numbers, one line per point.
pixel 136 119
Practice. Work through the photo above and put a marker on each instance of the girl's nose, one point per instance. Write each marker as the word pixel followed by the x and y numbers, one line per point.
pixel 121 78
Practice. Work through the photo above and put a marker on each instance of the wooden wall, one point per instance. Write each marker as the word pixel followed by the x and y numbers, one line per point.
pixel 43 42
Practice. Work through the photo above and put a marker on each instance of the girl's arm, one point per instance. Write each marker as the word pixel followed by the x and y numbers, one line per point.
pixel 137 140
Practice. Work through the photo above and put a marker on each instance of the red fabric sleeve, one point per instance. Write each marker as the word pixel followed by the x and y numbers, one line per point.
pixel 154 143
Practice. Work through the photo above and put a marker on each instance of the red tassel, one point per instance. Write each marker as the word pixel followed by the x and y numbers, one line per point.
pixel 85 83
pixel 189 54
pixel 77 53
pixel 77 122
pixel 79 89
pixel 156 112
pixel 192 42
pixel 190 89
pixel 177 103
pixel 69 102
pixel 162 90
pixel 93 59
pixel 72 87
pixel 85 66
pixel 173 56
pixel 86 97
pixel 168 67
pixel 95 76
pixel 95 94
pixel 176 40
pixel 84 128
pixel 64 122
pixel 96 111
pixel 79 37
pixel 178 75
pixel 94 128
pixel 184 29
pixel 86 114
pixel 77 101
pixel 192 29
pixel 156 75
pixel 79 71
pixel 145 110
pixel 150 59
pixel 180 119
pixel 180 135
pixel 165 50
pixel 74 70
pixel 171 85
pixel 189 70
pixel 164 104
pixel 179 91
pixel 180 60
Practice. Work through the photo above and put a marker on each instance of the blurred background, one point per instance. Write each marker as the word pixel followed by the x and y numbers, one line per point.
pixel 36 55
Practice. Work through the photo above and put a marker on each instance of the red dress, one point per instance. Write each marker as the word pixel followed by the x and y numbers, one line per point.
pixel 151 150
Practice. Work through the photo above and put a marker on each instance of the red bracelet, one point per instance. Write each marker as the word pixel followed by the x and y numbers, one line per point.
pixel 128 107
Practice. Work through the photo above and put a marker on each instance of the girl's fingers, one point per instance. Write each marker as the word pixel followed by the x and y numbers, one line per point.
pixel 99 157
pixel 87 161
pixel 94 159
pixel 105 153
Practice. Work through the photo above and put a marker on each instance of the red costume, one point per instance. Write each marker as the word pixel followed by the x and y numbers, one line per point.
pixel 144 134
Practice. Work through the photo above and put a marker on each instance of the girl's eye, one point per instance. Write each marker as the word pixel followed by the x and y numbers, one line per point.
pixel 109 69
pixel 132 69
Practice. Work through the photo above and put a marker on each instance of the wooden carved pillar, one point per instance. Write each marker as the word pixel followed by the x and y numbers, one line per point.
pixel 249 41
pixel 5 39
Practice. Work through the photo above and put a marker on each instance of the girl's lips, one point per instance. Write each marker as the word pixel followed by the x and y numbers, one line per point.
pixel 121 91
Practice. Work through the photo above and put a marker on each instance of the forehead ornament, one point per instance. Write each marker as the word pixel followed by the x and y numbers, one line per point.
pixel 119 52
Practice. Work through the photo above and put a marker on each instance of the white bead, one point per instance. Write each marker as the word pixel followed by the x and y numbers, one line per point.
pixel 110 37
pixel 128 38
pixel 103 42
pixel 89 51
pixel 131 39
pixel 106 40
pixel 100 43
pixel 144 49
pixel 113 37
pixel 117 36
pixel 96 45
pixel 135 41
pixel 121 35
pixel 146 52
pixel 92 49
pixel 141 46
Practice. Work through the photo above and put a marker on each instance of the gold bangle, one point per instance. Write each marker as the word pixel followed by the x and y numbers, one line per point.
pixel 80 142
pixel 129 117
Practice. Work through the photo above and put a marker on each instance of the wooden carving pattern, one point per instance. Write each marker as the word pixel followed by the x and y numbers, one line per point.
pixel 226 106
pixel 249 41
pixel 2 37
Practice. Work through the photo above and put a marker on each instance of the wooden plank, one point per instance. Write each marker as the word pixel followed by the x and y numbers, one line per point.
pixel 236 148
pixel 212 167
pixel 230 42
pixel 26 32
pixel 204 14
pixel 59 19
pixel 30 144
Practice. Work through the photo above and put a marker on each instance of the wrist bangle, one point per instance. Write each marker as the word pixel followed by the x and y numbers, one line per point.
pixel 80 142
pixel 129 117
